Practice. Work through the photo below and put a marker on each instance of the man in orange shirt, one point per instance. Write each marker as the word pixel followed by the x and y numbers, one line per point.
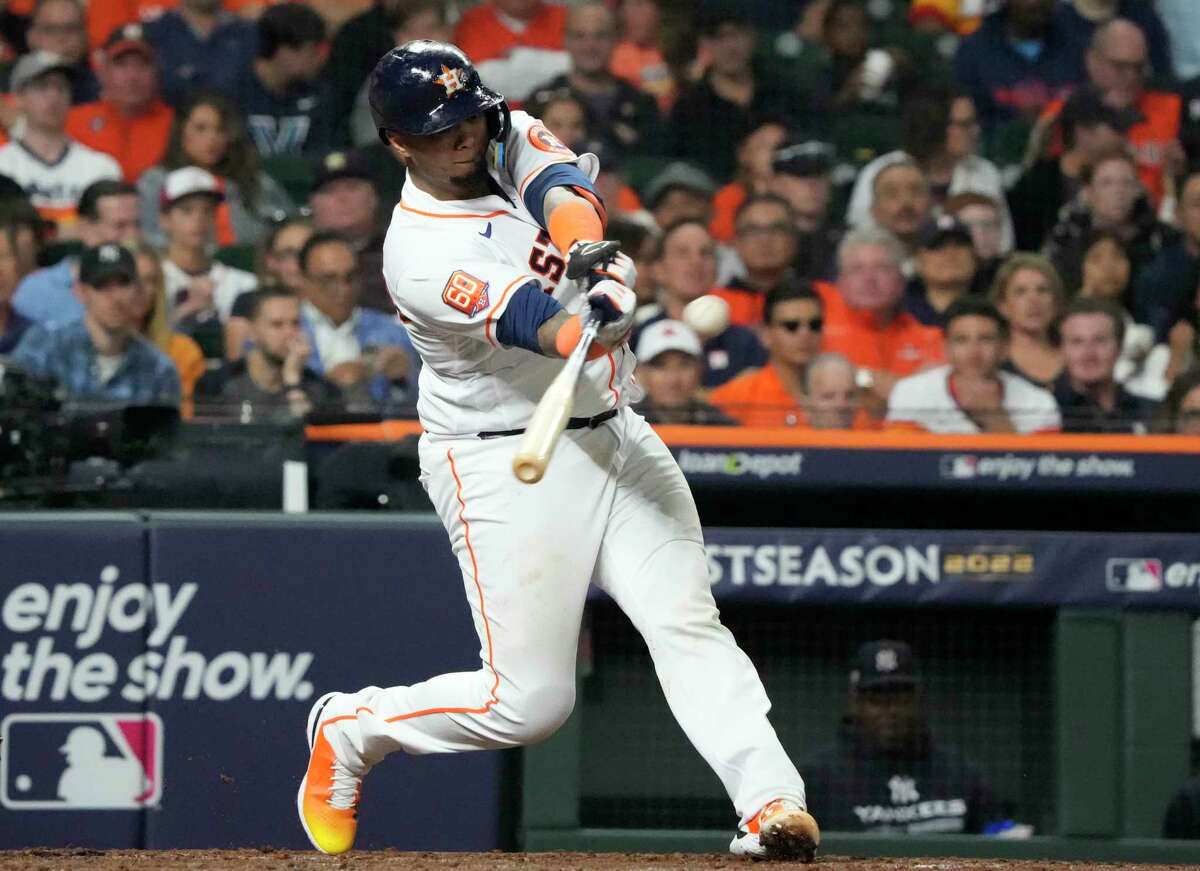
pixel 1117 62
pixel 774 394
pixel 765 241
pixel 129 121
pixel 515 44
pixel 864 319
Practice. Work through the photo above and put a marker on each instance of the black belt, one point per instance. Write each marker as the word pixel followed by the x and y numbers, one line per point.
pixel 572 423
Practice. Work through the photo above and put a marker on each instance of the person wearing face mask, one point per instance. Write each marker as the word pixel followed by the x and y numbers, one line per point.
pixel 1029 293
pixel 1112 199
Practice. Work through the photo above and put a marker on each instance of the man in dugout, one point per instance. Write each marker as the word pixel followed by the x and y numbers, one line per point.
pixel 885 773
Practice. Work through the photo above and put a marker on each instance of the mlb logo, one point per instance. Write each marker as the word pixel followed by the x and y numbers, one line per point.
pixel 960 467
pixel 1134 575
pixel 81 761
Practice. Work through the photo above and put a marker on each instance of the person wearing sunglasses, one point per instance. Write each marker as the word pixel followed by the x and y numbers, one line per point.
pixel 971 393
pixel 774 395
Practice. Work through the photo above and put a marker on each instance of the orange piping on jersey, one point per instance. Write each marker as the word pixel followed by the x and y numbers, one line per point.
pixel 487 326
pixel 440 215
pixel 487 629
pixel 612 375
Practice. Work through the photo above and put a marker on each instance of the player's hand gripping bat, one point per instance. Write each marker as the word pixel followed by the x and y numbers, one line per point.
pixel 554 409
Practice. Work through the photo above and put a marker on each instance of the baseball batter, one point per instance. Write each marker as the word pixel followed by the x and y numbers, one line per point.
pixel 493 211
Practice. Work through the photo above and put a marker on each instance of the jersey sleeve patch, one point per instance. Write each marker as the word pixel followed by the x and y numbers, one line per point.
pixel 543 140
pixel 466 293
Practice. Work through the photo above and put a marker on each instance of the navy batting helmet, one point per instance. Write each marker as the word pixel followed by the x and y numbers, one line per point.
pixel 424 87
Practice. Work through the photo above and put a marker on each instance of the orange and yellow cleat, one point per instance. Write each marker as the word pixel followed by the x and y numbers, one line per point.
pixel 329 793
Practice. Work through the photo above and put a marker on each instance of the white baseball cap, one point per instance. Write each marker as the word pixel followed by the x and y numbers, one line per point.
pixel 34 65
pixel 186 181
pixel 668 335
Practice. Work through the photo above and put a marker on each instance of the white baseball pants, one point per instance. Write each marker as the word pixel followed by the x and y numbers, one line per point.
pixel 613 509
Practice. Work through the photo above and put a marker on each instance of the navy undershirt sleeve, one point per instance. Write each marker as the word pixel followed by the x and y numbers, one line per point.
pixel 529 308
pixel 559 175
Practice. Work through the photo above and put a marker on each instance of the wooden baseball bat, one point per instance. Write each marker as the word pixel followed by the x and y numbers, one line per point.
pixel 553 410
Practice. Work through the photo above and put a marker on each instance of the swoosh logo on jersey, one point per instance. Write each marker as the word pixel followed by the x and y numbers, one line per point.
pixel 487 234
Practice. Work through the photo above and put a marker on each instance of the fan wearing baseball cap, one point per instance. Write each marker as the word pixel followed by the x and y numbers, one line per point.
pixel 886 773
pixel 670 363
pixel 101 358
pixel 129 121
pixel 200 291
pixel 44 160
pixel 945 267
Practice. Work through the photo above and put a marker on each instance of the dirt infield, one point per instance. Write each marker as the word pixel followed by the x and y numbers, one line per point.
pixel 288 860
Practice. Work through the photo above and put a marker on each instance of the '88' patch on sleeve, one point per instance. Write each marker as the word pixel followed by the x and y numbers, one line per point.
pixel 466 293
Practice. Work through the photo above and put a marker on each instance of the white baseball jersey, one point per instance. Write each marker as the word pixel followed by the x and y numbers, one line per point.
pixel 925 400
pixel 228 284
pixel 613 509
pixel 55 188
pixel 452 268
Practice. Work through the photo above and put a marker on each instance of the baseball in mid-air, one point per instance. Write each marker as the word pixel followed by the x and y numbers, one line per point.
pixel 707 316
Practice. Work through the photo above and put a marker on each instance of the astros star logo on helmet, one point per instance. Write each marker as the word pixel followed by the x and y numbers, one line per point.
pixel 451 80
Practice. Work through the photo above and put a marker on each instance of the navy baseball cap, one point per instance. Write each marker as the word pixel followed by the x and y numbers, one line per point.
pixel 804 159
pixel 105 263
pixel 343 164
pixel 943 231
pixel 884 664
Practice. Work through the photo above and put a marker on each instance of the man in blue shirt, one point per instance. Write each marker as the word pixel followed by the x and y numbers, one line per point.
pixel 108 212
pixel 1023 56
pixel 365 352
pixel 12 324
pixel 101 358
pixel 200 46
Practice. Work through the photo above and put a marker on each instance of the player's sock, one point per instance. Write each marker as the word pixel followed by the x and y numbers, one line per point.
pixel 574 221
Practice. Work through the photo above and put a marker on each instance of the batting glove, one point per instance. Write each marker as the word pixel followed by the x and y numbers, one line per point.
pixel 616 303
pixel 620 268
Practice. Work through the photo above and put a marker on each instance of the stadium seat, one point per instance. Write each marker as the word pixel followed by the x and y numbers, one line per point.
pixel 860 137
pixel 238 256
pixel 294 173
pixel 56 251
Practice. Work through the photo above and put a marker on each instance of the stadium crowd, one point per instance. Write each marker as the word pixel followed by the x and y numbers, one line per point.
pixel 941 215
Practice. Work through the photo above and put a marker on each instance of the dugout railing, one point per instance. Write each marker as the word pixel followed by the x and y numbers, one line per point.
pixel 1078 703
